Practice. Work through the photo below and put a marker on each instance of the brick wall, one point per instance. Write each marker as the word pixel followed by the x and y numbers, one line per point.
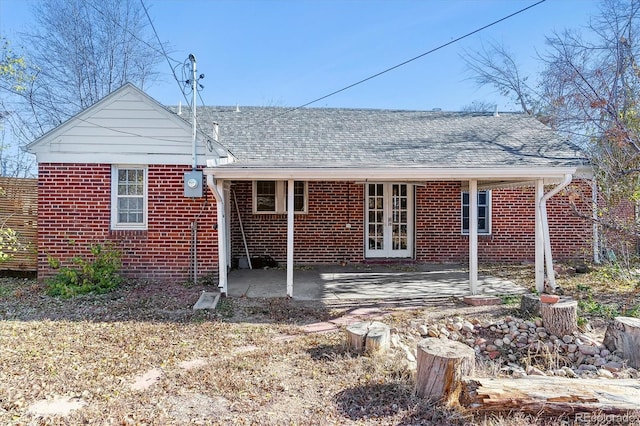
pixel 74 212
pixel 322 237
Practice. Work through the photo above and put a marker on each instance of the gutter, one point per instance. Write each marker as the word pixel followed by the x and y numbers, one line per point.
pixel 377 173
pixel 221 227
pixel 551 276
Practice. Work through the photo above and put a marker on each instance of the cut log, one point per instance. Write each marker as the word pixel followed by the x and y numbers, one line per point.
pixel 551 396
pixel 379 338
pixel 623 335
pixel 356 335
pixel 530 305
pixel 372 336
pixel 560 318
pixel 441 365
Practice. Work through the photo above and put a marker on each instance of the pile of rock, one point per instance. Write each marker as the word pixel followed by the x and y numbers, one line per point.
pixel 525 347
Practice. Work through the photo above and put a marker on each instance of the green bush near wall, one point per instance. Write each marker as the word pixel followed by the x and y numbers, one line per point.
pixel 98 273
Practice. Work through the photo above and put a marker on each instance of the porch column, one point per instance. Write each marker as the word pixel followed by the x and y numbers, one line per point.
pixel 290 216
pixel 222 236
pixel 539 237
pixel 473 236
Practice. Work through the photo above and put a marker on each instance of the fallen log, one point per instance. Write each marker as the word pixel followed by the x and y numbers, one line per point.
pixel 441 365
pixel 623 335
pixel 551 396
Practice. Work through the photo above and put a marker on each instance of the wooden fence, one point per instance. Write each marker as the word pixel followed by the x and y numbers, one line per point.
pixel 19 211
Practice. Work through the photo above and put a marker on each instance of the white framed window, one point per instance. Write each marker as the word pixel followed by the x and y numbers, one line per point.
pixel 484 212
pixel 270 196
pixel 128 197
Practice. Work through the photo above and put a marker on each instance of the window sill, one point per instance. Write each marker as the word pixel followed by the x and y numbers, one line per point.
pixel 119 233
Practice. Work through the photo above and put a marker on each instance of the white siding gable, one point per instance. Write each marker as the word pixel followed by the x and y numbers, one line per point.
pixel 127 126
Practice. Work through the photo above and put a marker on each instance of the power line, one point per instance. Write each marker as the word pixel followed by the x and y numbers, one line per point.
pixel 442 46
pixel 164 53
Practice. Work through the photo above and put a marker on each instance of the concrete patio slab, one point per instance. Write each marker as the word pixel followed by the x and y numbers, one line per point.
pixel 333 282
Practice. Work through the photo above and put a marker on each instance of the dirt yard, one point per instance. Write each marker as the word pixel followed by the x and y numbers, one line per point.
pixel 141 356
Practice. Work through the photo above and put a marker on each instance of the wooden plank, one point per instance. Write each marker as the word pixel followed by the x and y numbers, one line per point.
pixel 550 396
pixel 19 211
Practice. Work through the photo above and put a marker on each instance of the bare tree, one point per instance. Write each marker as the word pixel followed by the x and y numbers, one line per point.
pixel 479 106
pixel 589 89
pixel 78 52
pixel 14 79
pixel 494 65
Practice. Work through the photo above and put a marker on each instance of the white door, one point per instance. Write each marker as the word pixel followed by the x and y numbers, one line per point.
pixel 389 220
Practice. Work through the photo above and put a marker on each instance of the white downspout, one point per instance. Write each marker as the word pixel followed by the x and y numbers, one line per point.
pixel 551 276
pixel 217 189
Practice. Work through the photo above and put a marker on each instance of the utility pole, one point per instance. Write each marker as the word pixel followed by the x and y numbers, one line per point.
pixel 194 87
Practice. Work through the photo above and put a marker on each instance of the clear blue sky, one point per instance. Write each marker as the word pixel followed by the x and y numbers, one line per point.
pixel 290 52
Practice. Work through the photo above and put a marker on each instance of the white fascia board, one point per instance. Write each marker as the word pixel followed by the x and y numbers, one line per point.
pixel 388 174
pixel 115 158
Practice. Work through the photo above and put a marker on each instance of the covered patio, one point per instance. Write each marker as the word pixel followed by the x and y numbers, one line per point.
pixel 335 282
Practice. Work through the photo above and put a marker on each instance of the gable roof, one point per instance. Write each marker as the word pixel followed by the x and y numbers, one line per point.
pixel 308 138
pixel 126 126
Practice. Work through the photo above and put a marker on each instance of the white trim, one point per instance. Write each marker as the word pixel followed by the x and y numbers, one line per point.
pixel 388 174
pixel 489 215
pixel 115 225
pixel 180 159
pixel 388 251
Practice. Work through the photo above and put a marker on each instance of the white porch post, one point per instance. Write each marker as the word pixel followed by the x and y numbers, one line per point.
pixel 290 216
pixel 539 238
pixel 222 236
pixel 473 236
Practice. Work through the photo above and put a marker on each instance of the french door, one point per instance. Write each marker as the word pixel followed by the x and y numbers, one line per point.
pixel 389 220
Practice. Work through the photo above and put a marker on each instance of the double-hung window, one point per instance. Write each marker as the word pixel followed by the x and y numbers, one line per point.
pixel 484 212
pixel 129 197
pixel 270 196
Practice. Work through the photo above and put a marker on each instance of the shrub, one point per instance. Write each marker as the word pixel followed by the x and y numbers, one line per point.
pixel 97 274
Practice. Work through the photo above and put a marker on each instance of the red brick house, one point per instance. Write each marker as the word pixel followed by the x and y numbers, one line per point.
pixel 365 186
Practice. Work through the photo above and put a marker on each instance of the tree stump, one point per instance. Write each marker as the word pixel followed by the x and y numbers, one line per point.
pixel 560 318
pixel 530 305
pixel 372 336
pixel 623 335
pixel 441 365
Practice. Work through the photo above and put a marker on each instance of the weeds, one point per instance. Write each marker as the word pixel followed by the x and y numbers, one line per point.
pixel 98 274
pixel 225 308
pixel 510 299
pixel 544 357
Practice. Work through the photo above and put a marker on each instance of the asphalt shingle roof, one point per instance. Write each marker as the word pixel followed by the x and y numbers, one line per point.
pixel 317 137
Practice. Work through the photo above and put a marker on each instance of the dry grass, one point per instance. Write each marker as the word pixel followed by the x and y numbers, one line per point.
pixel 250 362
